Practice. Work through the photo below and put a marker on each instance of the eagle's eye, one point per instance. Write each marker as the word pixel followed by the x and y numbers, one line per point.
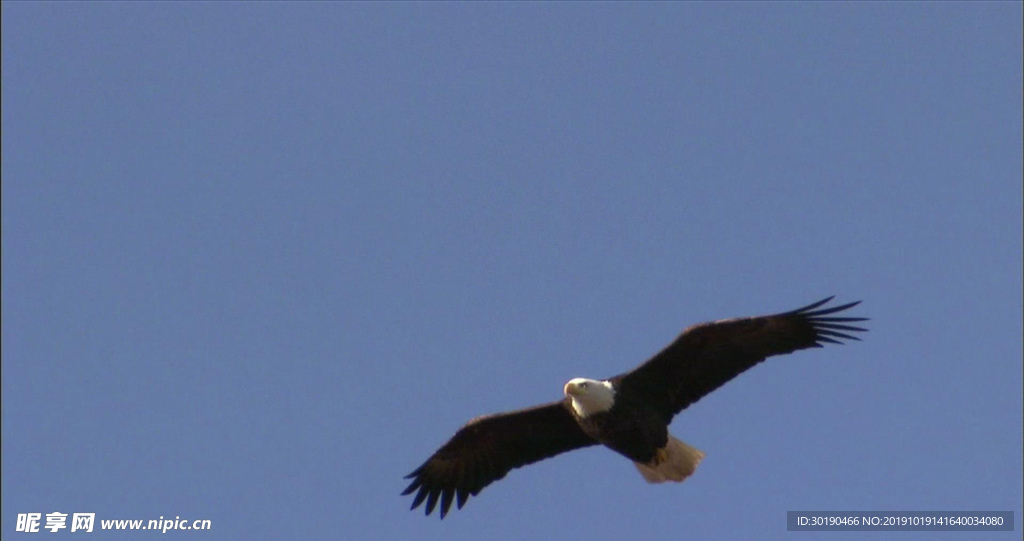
pixel 583 385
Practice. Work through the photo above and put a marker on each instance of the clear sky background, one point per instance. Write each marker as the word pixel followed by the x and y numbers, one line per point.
pixel 261 260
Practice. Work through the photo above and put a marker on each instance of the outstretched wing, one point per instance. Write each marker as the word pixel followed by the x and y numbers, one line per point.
pixel 488 447
pixel 708 355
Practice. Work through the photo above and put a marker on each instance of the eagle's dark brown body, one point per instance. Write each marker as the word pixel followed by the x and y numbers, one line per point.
pixel 632 429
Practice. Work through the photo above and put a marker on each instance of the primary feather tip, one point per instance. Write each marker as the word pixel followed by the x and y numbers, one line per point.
pixel 827 328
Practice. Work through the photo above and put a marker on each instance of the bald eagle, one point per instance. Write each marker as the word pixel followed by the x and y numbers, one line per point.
pixel 628 413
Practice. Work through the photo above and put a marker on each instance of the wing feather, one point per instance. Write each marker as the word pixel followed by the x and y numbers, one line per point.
pixel 706 356
pixel 487 448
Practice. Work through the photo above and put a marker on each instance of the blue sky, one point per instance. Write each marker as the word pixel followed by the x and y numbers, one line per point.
pixel 260 260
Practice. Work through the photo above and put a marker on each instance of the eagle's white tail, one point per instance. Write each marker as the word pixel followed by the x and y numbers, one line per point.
pixel 675 462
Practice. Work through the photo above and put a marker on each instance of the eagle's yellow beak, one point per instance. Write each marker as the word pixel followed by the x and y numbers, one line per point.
pixel 570 389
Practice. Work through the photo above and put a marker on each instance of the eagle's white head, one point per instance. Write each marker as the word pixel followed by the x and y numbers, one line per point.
pixel 589 396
